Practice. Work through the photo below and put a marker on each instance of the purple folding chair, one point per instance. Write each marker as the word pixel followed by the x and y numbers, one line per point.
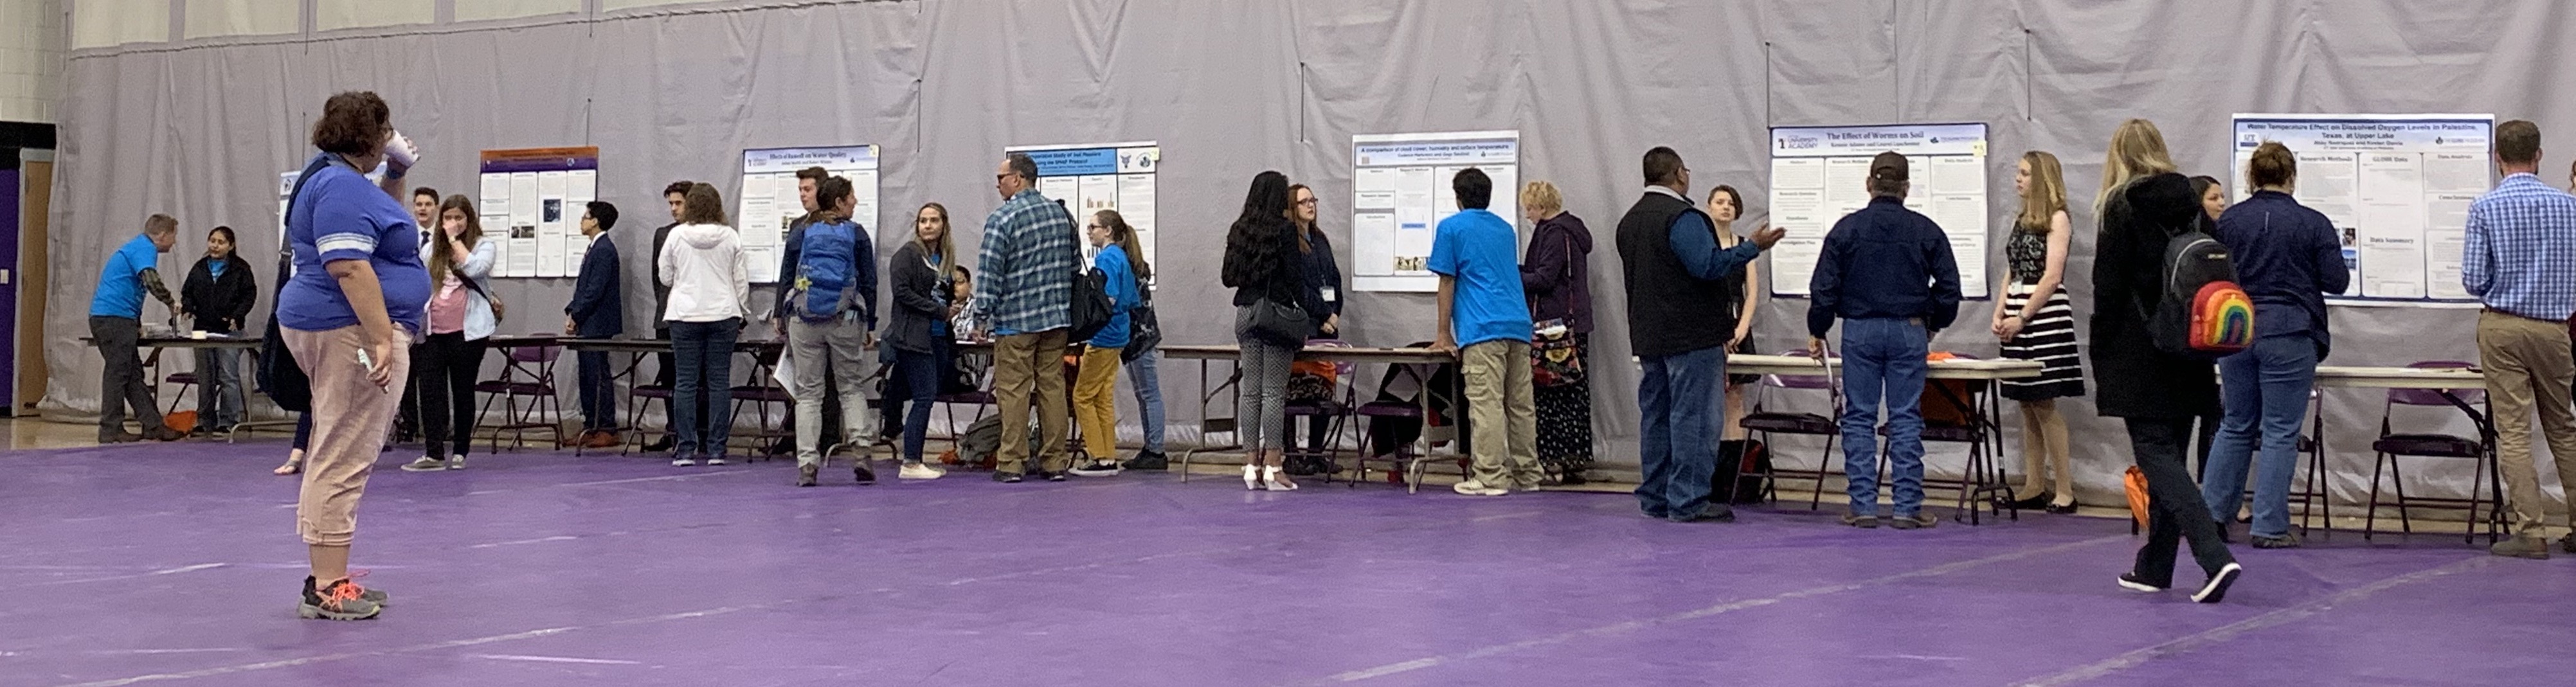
pixel 527 372
pixel 2391 445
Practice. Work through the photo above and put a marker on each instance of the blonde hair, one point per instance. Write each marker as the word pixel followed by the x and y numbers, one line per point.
pixel 2137 150
pixel 2047 195
pixel 1540 195
pixel 946 248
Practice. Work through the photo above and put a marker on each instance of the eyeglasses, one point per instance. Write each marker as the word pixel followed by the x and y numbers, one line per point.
pixel 1090 226
pixel 1005 175
pixel 1309 201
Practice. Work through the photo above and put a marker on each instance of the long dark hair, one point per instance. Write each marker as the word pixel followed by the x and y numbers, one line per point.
pixel 1304 245
pixel 439 252
pixel 1252 244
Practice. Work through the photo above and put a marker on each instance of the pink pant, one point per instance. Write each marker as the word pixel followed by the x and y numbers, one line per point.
pixel 350 415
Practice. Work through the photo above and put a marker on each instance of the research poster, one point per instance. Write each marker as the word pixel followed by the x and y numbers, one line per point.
pixel 532 202
pixel 767 201
pixel 286 194
pixel 2396 187
pixel 1400 190
pixel 1089 178
pixel 1820 174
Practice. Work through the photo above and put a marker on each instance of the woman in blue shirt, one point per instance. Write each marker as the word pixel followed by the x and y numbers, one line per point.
pixel 1095 405
pixel 2288 257
pixel 349 314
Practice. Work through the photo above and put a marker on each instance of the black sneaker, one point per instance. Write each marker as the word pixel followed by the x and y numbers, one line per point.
pixel 1052 476
pixel 1715 512
pixel 121 437
pixel 662 445
pixel 2132 582
pixel 2286 541
pixel 1866 522
pixel 1918 521
pixel 2215 590
pixel 805 474
pixel 1148 460
pixel 865 475
pixel 2222 531
pixel 1007 477
pixel 1097 468
pixel 2568 543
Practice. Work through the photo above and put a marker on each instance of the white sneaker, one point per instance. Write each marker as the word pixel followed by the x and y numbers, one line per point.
pixel 919 471
pixel 456 462
pixel 425 464
pixel 684 462
pixel 714 461
pixel 1475 488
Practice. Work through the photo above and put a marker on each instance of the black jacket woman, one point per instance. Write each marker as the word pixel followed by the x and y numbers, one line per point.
pixel 1265 268
pixel 216 297
pixel 2156 393
pixel 917 331
pixel 1556 274
pixel 1322 299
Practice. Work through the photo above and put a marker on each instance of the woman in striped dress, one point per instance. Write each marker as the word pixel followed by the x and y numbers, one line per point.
pixel 2036 322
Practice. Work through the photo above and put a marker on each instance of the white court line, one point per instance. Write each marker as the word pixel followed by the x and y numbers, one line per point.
pixel 554 659
pixel 2194 641
pixel 1728 607
pixel 164 571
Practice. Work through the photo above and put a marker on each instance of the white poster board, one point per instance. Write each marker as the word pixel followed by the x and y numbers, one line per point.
pixel 1089 178
pixel 2396 187
pixel 1820 174
pixel 286 194
pixel 1400 191
pixel 531 202
pixel 766 200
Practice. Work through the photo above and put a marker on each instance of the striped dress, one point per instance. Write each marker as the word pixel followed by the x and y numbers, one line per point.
pixel 2049 338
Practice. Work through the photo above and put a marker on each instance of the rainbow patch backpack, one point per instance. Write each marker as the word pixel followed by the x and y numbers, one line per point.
pixel 2203 313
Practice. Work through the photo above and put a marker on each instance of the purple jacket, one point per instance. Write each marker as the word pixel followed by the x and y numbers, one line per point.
pixel 1556 274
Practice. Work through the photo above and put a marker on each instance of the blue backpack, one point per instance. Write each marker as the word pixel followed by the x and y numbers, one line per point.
pixel 827 268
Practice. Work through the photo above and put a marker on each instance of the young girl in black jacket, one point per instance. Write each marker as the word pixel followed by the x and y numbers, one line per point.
pixel 217 296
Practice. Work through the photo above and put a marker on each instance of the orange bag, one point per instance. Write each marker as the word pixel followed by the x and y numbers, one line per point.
pixel 2136 481
pixel 181 421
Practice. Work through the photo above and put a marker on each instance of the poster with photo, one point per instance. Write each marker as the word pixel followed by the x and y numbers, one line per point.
pixel 1089 178
pixel 531 202
pixel 2396 187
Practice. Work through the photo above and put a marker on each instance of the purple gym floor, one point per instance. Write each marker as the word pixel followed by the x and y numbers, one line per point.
pixel 177 564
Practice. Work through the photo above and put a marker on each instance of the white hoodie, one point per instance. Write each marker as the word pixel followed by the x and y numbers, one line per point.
pixel 710 276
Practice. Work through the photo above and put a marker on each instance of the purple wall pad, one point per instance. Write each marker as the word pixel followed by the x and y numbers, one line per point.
pixel 176 564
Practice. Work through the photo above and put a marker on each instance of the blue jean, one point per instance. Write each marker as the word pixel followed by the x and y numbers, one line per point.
pixel 919 375
pixel 2267 383
pixel 704 351
pixel 598 393
pixel 1883 364
pixel 1678 401
pixel 219 388
pixel 1145 374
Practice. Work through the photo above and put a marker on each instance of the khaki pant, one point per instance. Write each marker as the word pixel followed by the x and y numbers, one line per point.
pixel 1095 403
pixel 1502 414
pixel 2528 365
pixel 841 347
pixel 350 415
pixel 1025 365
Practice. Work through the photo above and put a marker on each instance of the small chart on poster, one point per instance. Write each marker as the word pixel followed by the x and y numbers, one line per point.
pixel 767 202
pixel 532 201
pixel 1400 191
pixel 1089 178
pixel 1820 174
pixel 2396 187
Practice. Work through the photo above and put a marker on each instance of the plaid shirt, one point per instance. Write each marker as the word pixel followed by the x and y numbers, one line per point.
pixel 2521 253
pixel 1028 257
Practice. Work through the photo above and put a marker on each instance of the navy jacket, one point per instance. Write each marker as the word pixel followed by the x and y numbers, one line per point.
pixel 2288 257
pixel 598 308
pixel 1884 261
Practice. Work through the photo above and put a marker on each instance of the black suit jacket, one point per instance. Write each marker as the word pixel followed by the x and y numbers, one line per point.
pixel 598 307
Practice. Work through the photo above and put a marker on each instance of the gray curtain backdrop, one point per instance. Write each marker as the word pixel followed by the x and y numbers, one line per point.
pixel 201 129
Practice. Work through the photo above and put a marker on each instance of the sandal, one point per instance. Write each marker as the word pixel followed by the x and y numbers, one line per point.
pixel 294 464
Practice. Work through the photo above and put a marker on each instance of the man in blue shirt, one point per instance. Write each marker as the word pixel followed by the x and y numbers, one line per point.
pixel 116 322
pixel 2520 259
pixel 1485 320
pixel 1679 280
pixel 1887 273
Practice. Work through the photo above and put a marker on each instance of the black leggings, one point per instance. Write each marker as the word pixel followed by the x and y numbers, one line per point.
pixel 447 367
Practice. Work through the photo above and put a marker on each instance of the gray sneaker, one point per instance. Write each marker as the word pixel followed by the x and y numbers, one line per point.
pixel 457 462
pixel 341 600
pixel 1917 521
pixel 1866 522
pixel 425 464
pixel 2526 546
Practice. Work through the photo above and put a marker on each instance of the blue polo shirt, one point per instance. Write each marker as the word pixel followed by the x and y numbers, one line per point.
pixel 1478 249
pixel 120 282
pixel 342 216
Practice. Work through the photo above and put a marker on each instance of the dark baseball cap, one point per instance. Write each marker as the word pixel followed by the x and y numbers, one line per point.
pixel 1888 166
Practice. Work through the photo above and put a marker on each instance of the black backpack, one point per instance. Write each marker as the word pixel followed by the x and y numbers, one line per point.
pixel 1091 304
pixel 2200 313
pixel 279 376
pixel 1144 332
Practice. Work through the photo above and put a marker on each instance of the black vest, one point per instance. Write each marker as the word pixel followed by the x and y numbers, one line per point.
pixel 1671 312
